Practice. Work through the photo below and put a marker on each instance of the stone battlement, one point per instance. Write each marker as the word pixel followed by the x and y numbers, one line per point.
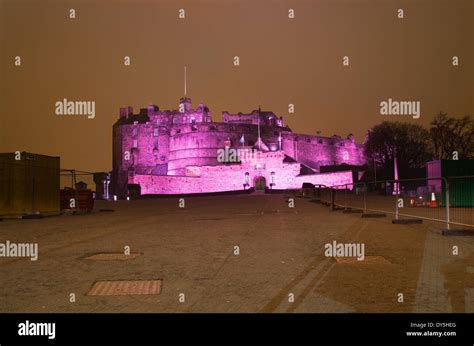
pixel 168 142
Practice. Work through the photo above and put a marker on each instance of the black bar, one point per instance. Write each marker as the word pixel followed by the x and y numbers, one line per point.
pixel 291 329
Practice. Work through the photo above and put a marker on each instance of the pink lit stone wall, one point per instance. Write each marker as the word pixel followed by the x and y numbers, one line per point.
pixel 317 151
pixel 230 180
pixel 203 179
pixel 327 179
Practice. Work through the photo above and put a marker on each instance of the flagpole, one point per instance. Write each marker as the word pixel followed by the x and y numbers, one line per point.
pixel 185 82
pixel 259 141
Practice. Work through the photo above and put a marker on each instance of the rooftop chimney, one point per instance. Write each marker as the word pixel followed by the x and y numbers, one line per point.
pixel 123 112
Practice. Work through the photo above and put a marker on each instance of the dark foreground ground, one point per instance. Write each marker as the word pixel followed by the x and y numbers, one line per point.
pixel 281 255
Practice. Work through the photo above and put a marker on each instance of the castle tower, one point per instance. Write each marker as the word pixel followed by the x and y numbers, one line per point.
pixel 185 104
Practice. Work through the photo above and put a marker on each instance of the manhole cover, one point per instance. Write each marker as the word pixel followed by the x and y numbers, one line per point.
pixel 366 260
pixel 125 288
pixel 119 256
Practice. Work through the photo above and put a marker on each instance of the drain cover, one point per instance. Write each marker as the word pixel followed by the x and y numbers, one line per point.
pixel 119 256
pixel 367 260
pixel 125 288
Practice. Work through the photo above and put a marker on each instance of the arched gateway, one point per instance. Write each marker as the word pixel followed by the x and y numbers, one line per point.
pixel 260 183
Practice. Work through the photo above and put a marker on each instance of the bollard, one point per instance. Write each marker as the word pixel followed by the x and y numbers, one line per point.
pixel 447 205
pixel 345 198
pixel 365 198
pixel 396 204
pixel 332 199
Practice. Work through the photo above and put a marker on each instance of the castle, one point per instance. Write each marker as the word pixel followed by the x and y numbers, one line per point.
pixel 176 152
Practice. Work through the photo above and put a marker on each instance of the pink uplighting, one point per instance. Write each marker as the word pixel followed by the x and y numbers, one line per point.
pixel 177 152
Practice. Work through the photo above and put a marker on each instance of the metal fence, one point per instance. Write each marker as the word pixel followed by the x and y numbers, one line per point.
pixel 447 201
pixel 71 179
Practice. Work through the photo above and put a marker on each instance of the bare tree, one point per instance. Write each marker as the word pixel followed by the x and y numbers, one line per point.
pixel 450 135
pixel 409 142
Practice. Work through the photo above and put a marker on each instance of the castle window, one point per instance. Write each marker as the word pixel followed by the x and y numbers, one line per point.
pixel 273 178
pixel 157 122
pixel 135 143
pixel 308 140
pixel 135 132
pixel 178 131
pixel 213 128
pixel 341 144
pixel 155 132
pixel 135 122
pixel 247 178
pixel 320 141
pixel 194 128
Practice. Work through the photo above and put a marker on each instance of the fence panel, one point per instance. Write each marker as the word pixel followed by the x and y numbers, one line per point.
pixel 460 193
pixel 449 202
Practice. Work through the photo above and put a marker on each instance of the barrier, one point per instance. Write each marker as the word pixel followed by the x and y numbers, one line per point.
pixel 448 202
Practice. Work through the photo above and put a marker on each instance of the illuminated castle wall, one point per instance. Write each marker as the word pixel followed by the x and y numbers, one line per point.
pixel 175 151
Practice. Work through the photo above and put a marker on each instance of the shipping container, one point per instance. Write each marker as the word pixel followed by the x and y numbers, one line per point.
pixel 29 185
pixel 460 176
